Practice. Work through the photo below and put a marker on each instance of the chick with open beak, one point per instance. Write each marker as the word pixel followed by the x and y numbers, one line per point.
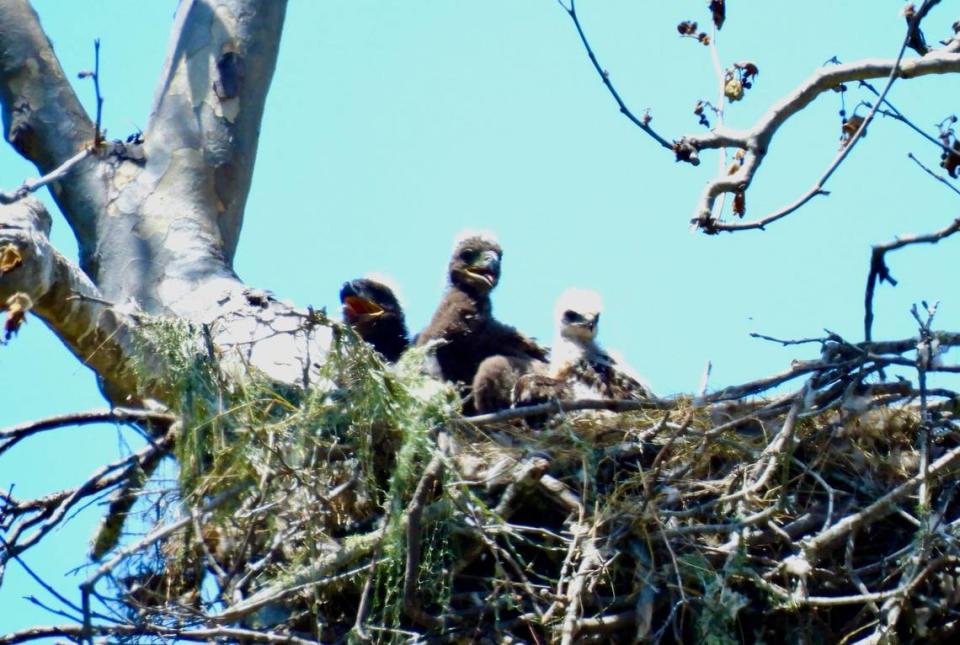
pixel 475 264
pixel 465 324
pixel 372 309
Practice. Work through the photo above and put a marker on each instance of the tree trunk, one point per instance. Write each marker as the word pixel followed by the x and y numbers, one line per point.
pixel 156 220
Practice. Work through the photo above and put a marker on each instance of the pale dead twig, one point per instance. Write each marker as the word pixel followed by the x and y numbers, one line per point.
pixel 58 173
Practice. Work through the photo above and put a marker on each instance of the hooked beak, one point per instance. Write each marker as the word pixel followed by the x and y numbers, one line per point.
pixel 485 268
pixel 584 324
pixel 356 308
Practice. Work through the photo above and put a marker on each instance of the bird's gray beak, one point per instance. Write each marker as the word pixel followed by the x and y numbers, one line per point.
pixel 593 321
pixel 486 267
pixel 488 260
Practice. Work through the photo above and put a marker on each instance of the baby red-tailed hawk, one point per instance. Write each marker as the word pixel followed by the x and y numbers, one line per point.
pixel 372 309
pixel 464 319
pixel 587 371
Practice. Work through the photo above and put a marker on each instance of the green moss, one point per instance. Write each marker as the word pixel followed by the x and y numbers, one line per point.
pixel 369 427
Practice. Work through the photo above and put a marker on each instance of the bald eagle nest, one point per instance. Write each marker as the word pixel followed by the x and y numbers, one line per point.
pixel 369 509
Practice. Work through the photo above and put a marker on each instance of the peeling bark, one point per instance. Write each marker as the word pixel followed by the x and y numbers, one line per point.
pixel 99 335
pixel 157 222
pixel 171 225
pixel 249 327
pixel 211 96
pixel 156 226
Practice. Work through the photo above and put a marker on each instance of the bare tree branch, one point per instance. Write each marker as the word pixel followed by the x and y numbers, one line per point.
pixel 590 562
pixel 154 536
pixel 10 436
pixel 815 546
pixel 43 118
pixel 200 635
pixel 359 546
pixel 554 407
pixel 51 511
pixel 943 180
pixel 880 272
pixel 33 185
pixel 100 335
pixel 642 123
pixel 249 327
pixel 915 38
pixel 756 141
pixel 892 112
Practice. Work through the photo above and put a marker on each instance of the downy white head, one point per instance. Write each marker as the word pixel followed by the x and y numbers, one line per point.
pixel 577 316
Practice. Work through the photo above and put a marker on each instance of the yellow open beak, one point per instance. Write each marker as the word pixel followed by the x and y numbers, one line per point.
pixel 356 308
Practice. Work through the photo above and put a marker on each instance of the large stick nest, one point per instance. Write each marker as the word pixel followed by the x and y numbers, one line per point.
pixel 369 509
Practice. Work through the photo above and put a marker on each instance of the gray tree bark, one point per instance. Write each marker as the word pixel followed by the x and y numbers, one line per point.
pixel 157 222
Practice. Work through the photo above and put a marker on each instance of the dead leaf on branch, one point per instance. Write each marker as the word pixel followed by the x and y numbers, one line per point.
pixel 688 29
pixel 10 258
pixel 748 70
pixel 849 128
pixel 738 79
pixel 700 111
pixel 737 161
pixel 740 204
pixel 17 307
pixel 719 10
pixel 951 161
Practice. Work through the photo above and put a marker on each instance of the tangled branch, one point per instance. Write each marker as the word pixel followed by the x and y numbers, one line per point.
pixel 609 520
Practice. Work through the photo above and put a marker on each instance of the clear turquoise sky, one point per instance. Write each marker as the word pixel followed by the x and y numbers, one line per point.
pixel 393 125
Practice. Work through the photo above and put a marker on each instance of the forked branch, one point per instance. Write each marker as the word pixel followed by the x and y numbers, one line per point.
pixel 880 272
pixel 42 116
pixel 755 142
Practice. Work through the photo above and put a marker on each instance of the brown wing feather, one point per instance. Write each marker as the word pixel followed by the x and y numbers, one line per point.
pixel 601 374
pixel 472 335
pixel 510 342
pixel 533 388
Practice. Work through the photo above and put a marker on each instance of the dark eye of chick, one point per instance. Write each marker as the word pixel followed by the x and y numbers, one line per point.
pixel 571 316
pixel 468 256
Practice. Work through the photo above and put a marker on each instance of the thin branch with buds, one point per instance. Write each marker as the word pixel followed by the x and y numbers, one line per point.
pixel 897 69
pixel 642 123
pixel 755 141
pixel 943 180
pixel 95 75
